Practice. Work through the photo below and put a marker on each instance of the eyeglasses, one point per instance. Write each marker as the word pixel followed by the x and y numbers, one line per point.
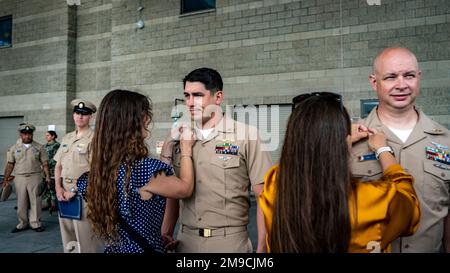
pixel 296 100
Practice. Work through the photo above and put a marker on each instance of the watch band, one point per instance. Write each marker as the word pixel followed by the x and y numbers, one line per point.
pixel 382 150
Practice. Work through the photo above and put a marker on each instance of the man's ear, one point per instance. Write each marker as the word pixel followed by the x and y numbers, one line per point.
pixel 373 81
pixel 219 97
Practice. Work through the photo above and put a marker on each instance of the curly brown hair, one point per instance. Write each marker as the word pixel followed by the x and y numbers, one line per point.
pixel 118 139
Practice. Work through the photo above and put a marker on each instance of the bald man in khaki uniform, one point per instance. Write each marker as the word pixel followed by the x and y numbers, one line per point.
pixel 26 158
pixel 419 144
pixel 228 158
pixel 73 159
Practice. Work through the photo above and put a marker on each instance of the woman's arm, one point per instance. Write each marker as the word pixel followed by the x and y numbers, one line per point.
pixel 172 186
pixel 376 141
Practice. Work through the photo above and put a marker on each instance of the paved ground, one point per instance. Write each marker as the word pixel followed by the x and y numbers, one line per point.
pixel 27 241
pixel 49 241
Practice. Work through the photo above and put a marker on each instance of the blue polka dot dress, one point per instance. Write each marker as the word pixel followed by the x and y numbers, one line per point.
pixel 145 216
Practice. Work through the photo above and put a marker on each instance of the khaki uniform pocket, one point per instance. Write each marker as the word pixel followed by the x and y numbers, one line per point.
pixel 436 185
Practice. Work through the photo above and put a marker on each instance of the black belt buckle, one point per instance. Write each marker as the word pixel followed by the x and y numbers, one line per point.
pixel 204 232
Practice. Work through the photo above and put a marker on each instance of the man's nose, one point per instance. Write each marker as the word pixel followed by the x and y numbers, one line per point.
pixel 189 101
pixel 401 83
pixel 198 101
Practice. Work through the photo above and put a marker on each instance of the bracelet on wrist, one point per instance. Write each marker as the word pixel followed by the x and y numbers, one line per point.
pixel 166 156
pixel 381 150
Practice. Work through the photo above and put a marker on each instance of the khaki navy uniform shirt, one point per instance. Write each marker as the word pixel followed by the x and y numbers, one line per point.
pixel 221 197
pixel 432 178
pixel 27 160
pixel 74 154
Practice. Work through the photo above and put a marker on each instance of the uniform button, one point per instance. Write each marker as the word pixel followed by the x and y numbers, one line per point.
pixel 199 219
pixel 203 145
pixel 443 174
pixel 406 246
pixel 224 164
pixel 369 171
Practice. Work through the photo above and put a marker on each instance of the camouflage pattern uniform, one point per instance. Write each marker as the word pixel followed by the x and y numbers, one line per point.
pixel 49 194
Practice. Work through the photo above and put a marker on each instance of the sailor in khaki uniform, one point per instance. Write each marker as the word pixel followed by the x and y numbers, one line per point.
pixel 228 158
pixel 73 158
pixel 26 158
pixel 420 145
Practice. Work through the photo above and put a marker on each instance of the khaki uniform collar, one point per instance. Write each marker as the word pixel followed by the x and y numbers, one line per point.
pixel 224 125
pixel 88 134
pixel 423 127
pixel 32 144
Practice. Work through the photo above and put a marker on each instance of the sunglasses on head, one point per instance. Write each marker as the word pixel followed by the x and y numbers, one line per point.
pixel 296 100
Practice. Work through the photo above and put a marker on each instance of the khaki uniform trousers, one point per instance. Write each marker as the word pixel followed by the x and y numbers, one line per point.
pixel 225 240
pixel 27 191
pixel 77 235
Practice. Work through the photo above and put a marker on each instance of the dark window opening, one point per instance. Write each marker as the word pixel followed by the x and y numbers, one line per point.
pixel 188 6
pixel 6 31
pixel 367 105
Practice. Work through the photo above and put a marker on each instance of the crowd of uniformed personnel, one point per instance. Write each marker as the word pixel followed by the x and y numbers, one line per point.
pixel 225 166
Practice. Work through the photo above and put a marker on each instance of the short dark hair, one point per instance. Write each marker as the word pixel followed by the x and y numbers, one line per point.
pixel 208 76
pixel 53 134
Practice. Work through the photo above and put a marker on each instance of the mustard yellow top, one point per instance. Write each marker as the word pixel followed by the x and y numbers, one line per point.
pixel 369 204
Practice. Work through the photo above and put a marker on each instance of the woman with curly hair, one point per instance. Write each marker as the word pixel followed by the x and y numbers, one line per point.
pixel 125 189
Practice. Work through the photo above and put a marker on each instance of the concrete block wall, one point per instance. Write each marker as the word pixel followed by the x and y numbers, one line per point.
pixel 267 51
pixel 270 51
pixel 93 50
pixel 35 73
